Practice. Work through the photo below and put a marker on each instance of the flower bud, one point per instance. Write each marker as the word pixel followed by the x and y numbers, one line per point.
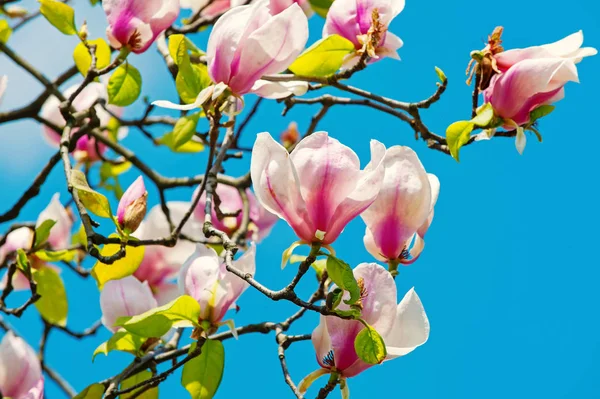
pixel 290 136
pixel 16 12
pixel 132 207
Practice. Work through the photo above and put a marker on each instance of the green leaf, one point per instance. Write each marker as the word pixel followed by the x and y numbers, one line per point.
pixel 184 129
pixel 540 112
pixel 191 80
pixel 202 375
pixel 341 274
pixel 136 379
pixel 122 341
pixel 192 146
pixel 179 45
pixel 123 267
pixel 92 200
pixel 321 7
pixel 184 311
pixel 94 391
pixel 56 256
pixel 60 15
pixel 108 170
pixel 53 304
pixel 457 135
pixel 124 85
pixel 5 31
pixel 42 232
pixel 83 58
pixel 441 75
pixel 287 254
pixel 369 346
pixel 323 58
pixel 485 116
pixel 23 262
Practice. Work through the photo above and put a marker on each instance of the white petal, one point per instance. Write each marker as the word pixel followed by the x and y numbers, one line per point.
pixel 411 328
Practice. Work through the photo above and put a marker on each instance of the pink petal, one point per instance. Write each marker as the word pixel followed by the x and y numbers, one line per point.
pixel 411 327
pixel 235 285
pixel 135 191
pixel 20 370
pixel 262 219
pixel 21 238
pixel 231 202
pixel 124 297
pixel 60 235
pixel 321 341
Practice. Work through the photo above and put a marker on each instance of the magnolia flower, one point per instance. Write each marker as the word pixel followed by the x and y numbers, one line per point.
pixel 20 371
pixel 403 327
pixel 60 234
pixel 209 8
pixel 400 216
pixel 86 149
pixel 352 19
pixel 132 206
pixel 3 84
pixel 261 220
pixel 205 278
pixel 124 297
pixel 162 264
pixel 135 24
pixel 319 187
pixel 567 48
pixel 248 42
pixel 277 6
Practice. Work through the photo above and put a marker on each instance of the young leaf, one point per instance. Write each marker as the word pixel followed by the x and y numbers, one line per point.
pixel 457 135
pixel 485 116
pixel 192 146
pixel 124 85
pixel 23 262
pixel 60 15
pixel 540 112
pixel 108 170
pixel 122 341
pixel 184 311
pixel 94 391
pixel 184 129
pixel 321 7
pixel 191 80
pixel 202 375
pixel 42 232
pixel 369 346
pixel 324 57
pixel 341 274
pixel 123 267
pixel 53 304
pixel 83 59
pixel 441 75
pixel 5 31
pixel 179 45
pixel 56 256
pixel 92 200
pixel 136 379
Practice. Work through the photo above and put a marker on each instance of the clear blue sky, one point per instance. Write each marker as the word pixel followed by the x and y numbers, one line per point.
pixel 509 276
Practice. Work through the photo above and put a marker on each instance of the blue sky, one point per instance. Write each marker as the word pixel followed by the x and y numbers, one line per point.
pixel 509 274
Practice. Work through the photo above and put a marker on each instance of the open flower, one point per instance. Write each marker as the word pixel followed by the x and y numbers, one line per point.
pixel 20 371
pixel 403 327
pixel 261 220
pixel 352 19
pixel 319 187
pixel 132 206
pixel 124 297
pixel 400 216
pixel 135 24
pixel 86 149
pixel 161 264
pixel 205 278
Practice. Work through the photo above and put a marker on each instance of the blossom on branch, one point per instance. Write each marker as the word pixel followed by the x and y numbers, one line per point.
pixel 20 371
pixel 124 297
pixel 132 206
pixel 319 187
pixel 135 24
pixel 400 216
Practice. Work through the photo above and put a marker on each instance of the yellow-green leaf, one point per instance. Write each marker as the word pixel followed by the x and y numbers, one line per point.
pixel 5 31
pixel 321 7
pixel 123 267
pixel 184 129
pixel 191 146
pixel 540 112
pixel 94 391
pixel 191 80
pixel 369 346
pixel 183 311
pixel 136 379
pixel 122 341
pixel 124 85
pixel 441 75
pixel 53 304
pixel 42 232
pixel 83 58
pixel 108 170
pixel 324 57
pixel 179 45
pixel 341 274
pixel 202 375
pixel 23 262
pixel 485 116
pixel 92 200
pixel 457 135
pixel 56 256
pixel 60 15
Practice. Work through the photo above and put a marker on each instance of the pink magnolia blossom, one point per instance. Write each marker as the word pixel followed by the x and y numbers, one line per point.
pixel 567 48
pixel 3 84
pixel 20 371
pixel 319 187
pixel 137 23
pixel 60 234
pixel 353 18
pixel 277 6
pixel 261 220
pixel 400 216
pixel 161 264
pixel 124 297
pixel 132 206
pixel 205 278
pixel 210 9
pixel 86 148
pixel 403 327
